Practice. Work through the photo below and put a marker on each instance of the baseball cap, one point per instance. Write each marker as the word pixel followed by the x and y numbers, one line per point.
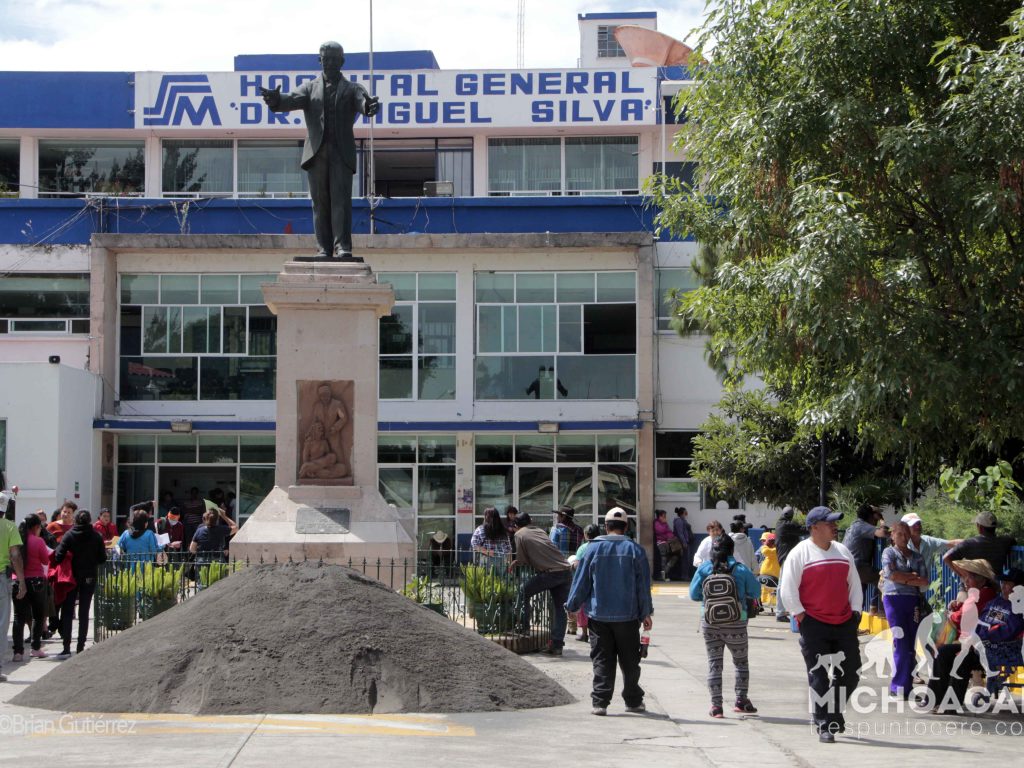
pixel 822 515
pixel 986 519
pixel 1016 575
pixel 911 519
pixel 616 513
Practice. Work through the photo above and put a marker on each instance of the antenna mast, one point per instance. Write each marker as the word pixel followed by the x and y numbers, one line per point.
pixel 520 33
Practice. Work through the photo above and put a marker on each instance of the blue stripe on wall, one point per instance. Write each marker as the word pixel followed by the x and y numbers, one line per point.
pixel 67 100
pixel 383 426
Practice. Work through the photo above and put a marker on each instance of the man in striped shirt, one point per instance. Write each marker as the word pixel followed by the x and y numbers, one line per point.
pixel 822 591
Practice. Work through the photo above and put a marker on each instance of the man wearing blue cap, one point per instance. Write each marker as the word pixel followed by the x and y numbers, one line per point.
pixel 822 591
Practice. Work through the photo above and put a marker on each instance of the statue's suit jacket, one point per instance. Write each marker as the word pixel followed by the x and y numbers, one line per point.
pixel 349 102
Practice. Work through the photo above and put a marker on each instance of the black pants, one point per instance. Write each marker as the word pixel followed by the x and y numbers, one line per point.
pixel 830 684
pixel 558 583
pixel 614 642
pixel 942 673
pixel 83 594
pixel 330 187
pixel 31 611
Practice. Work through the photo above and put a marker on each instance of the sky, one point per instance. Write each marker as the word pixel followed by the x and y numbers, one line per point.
pixel 205 35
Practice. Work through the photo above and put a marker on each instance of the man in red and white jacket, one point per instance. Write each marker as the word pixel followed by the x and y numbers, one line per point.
pixel 822 591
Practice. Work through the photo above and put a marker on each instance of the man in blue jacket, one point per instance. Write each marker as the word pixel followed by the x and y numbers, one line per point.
pixel 613 586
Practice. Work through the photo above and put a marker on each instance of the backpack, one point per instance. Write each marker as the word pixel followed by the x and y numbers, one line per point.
pixel 721 599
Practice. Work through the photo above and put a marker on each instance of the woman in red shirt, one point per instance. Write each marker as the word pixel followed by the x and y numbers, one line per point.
pixel 65 520
pixel 31 609
pixel 105 527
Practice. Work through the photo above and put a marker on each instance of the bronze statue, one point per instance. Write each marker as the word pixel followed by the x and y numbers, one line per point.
pixel 330 104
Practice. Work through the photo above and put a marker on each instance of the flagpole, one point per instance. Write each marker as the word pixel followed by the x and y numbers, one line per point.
pixel 372 186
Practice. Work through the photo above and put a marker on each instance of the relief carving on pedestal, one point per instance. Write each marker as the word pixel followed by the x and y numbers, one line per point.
pixel 325 432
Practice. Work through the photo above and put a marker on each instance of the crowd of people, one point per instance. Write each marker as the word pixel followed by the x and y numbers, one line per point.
pixel 601 582
pixel 50 562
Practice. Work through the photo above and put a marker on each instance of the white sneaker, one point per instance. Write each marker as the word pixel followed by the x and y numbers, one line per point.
pixel 599 711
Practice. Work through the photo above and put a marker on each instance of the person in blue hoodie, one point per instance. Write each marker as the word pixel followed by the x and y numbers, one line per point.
pixel 612 584
pixel 733 633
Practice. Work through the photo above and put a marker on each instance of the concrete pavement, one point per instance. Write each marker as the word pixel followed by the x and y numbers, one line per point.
pixel 676 730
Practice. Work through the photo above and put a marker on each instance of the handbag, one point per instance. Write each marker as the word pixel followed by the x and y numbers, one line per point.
pixel 675 546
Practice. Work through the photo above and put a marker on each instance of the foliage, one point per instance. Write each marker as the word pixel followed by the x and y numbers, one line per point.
pixel 862 183
pixel 994 489
pixel 755 448
pixel 213 572
pixel 946 519
pixel 422 590
pixel 878 489
pixel 161 582
pixel 119 585
pixel 483 585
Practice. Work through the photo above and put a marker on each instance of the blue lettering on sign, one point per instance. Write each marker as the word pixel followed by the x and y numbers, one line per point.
pixel 401 85
pixel 465 84
pixel 174 102
pixel 580 111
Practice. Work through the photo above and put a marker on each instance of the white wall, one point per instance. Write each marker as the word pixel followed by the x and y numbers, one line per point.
pixel 588 41
pixel 50 442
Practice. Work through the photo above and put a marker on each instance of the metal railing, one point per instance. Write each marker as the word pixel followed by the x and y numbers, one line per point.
pixel 484 594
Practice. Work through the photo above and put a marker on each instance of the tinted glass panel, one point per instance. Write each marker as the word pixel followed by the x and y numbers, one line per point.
pixel 136 449
pixel 80 167
pixel 257 449
pixel 159 378
pixel 604 377
pixel 512 378
pixel 437 378
pixel 238 378
pixel 140 289
pixel 41 295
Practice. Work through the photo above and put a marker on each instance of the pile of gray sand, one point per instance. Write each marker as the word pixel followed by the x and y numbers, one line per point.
pixel 293 639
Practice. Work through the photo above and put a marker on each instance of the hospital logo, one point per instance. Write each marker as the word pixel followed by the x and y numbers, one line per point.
pixel 182 100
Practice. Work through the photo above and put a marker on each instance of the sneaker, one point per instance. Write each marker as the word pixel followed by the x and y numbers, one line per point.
pixel 639 709
pixel 551 650
pixel 716 711
pixel 584 638
pixel 744 705
pixel 18 657
pixel 64 654
pixel 826 736
pixel 599 711
pixel 40 654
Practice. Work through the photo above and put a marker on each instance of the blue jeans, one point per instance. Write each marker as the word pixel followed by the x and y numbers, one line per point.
pixel 557 583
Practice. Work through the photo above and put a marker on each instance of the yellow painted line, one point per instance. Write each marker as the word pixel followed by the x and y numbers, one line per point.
pixel 366 725
pixel 682 589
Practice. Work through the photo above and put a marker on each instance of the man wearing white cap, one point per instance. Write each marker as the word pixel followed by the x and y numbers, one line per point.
pixel 612 584
pixel 927 546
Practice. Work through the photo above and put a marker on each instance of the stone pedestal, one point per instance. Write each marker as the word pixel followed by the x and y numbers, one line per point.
pixel 327 334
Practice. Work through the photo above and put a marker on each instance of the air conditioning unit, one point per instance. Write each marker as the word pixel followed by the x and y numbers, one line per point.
pixel 439 188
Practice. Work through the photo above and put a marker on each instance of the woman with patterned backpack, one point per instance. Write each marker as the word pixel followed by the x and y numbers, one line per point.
pixel 728 591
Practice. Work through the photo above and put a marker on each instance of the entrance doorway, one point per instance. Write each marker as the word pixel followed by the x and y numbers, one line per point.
pixel 179 479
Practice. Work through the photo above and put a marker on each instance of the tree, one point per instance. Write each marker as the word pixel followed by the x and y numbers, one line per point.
pixel 755 449
pixel 862 182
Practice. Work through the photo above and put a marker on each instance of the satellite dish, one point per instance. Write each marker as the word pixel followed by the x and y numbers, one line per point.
pixel 650 48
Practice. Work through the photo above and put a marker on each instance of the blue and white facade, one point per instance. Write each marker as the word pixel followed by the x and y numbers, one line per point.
pixel 528 359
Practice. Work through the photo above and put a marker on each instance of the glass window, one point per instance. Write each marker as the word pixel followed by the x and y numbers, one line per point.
pixel 140 289
pixel 600 377
pixel 252 288
pixel 44 295
pixel 218 289
pixel 218 449
pixel 616 286
pixel 177 449
pixel 75 168
pixel 533 448
pixel 271 169
pixel 179 289
pixel 492 448
pixel 601 164
pixel 513 378
pixel 396 486
pixel 257 449
pixel 436 377
pixel 534 287
pixel 437 328
pixel 616 448
pixel 254 485
pixel 609 329
pixel 233 330
pixel 159 378
pixel 262 331
pixel 438 286
pixel 673 452
pixel 495 485
pixel 10 167
pixel 237 378
pixel 134 484
pixel 197 166
pixel 438 449
pixel 607 46
pixel 402 283
pixel 396 378
pixel 524 165
pixel 680 280
pixel 616 487
pixel 436 490
pixel 396 449
pixel 575 287
pixel 495 287
pixel 136 449
pixel 575 448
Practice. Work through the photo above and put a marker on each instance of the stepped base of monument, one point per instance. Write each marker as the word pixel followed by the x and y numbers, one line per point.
pixel 336 524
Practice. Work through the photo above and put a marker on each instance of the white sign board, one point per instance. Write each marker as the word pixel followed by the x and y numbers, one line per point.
pixel 419 99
